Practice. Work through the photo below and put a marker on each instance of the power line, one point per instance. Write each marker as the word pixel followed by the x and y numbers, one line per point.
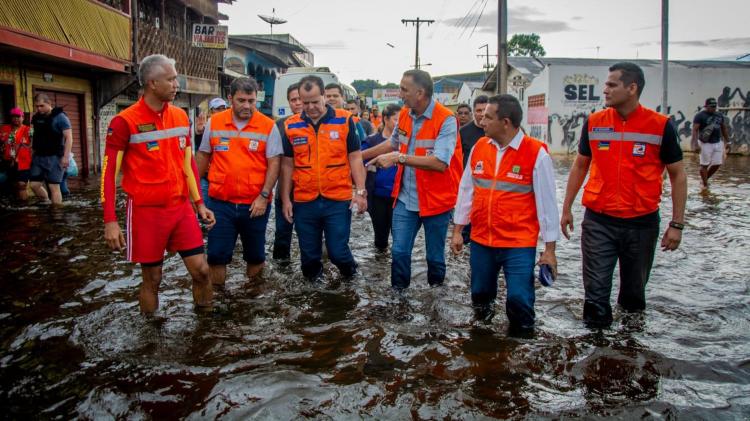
pixel 416 22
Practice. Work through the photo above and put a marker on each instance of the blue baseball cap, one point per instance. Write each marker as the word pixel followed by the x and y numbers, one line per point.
pixel 546 277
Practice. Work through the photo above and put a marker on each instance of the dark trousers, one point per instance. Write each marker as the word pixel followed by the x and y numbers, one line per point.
pixel 282 240
pixel 602 245
pixel 381 214
pixel 466 233
pixel 333 218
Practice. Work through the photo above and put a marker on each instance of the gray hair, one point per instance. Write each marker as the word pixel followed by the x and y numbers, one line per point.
pixel 150 66
pixel 422 79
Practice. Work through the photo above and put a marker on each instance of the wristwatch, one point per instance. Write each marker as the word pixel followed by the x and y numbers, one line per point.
pixel 361 192
pixel 402 159
pixel 265 194
pixel 676 225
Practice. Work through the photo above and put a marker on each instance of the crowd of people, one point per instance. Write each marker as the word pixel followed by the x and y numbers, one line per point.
pixel 414 166
pixel 410 167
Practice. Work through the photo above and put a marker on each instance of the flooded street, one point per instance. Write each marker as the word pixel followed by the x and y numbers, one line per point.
pixel 75 346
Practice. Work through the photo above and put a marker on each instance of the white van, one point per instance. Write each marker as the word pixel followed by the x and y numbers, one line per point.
pixel 293 75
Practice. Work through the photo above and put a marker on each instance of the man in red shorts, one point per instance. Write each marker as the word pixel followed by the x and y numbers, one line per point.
pixel 150 142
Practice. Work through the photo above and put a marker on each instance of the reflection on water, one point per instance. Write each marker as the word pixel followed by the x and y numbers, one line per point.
pixel 74 344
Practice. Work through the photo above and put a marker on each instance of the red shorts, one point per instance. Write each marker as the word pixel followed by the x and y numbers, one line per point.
pixel 153 229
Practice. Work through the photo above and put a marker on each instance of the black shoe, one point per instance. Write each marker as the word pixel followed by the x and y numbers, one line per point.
pixel 281 253
pixel 518 331
pixel 484 312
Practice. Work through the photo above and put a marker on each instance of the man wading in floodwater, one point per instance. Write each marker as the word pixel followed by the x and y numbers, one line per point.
pixel 150 141
pixel 627 147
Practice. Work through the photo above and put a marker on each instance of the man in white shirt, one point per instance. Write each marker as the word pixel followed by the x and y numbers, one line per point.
pixel 507 192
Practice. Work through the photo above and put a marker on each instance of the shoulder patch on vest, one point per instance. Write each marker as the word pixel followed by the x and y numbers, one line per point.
pixel 479 168
pixel 150 127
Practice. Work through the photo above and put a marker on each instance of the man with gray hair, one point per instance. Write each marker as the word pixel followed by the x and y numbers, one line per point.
pixel 150 141
pixel 426 149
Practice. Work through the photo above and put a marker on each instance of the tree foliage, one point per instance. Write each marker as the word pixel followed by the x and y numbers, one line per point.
pixel 526 45
pixel 367 85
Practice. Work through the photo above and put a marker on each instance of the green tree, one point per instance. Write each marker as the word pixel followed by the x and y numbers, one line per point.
pixel 526 45
pixel 367 85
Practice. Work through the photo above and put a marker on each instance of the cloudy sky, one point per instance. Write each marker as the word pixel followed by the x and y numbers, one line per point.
pixel 351 36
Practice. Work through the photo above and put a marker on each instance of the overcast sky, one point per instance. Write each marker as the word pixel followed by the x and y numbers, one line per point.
pixel 350 36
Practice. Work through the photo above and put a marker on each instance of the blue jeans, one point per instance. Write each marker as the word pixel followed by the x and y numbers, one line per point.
pixel 311 220
pixel 233 219
pixel 406 225
pixel 204 191
pixel 518 267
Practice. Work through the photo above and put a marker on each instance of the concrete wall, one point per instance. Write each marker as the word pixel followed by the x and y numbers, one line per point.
pixel 570 98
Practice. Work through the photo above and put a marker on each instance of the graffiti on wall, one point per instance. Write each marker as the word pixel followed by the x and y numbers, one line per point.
pixel 734 105
pixel 564 128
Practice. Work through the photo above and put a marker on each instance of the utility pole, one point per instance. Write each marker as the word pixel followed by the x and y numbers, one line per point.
pixel 487 67
pixel 502 47
pixel 664 56
pixel 416 23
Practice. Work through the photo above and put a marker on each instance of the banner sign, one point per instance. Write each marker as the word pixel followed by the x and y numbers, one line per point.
pixel 210 36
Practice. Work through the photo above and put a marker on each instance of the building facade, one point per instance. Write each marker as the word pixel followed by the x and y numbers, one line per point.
pixel 558 94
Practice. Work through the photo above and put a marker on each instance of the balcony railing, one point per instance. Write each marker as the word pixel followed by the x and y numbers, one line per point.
pixel 191 61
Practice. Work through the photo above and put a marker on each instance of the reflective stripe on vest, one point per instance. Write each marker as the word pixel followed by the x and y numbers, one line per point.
pixel 159 134
pixel 626 137
pixel 234 133
pixel 503 185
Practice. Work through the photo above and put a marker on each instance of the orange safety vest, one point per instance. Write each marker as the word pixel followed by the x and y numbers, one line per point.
pixel 503 210
pixel 626 172
pixel 376 121
pixel 19 148
pixel 436 191
pixel 153 165
pixel 321 160
pixel 238 157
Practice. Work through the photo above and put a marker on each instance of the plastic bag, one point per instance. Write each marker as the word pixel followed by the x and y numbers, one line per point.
pixel 72 167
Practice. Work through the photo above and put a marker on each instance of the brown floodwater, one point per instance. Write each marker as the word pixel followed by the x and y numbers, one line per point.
pixel 75 346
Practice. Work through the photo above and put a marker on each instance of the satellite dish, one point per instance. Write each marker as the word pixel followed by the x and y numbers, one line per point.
pixel 272 20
